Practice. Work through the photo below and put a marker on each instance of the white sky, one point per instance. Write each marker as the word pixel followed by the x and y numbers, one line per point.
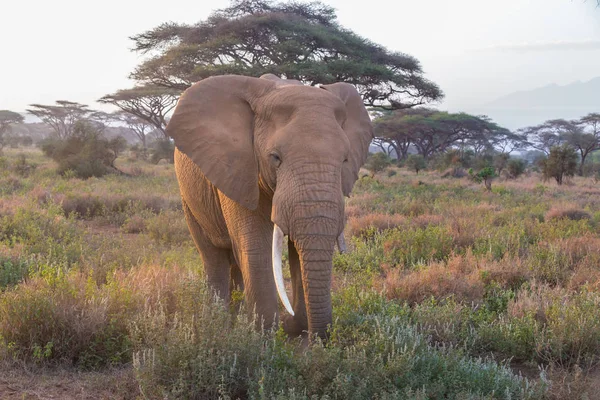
pixel 476 50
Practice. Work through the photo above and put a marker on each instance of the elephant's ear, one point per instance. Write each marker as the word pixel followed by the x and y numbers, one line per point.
pixel 213 125
pixel 359 130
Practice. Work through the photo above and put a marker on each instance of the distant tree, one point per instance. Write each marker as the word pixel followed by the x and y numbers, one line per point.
pixel 510 142
pixel 150 103
pixel 416 162
pixel 162 149
pixel 561 162
pixel 545 136
pixel 61 117
pixel 432 132
pixel 377 162
pixel 115 147
pixel 301 41
pixel 384 145
pixel 138 126
pixel 501 161
pixel 515 167
pixel 485 175
pixel 585 136
pixel 8 118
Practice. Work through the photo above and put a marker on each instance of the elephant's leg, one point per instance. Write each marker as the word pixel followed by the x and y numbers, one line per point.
pixel 252 234
pixel 216 261
pixel 299 322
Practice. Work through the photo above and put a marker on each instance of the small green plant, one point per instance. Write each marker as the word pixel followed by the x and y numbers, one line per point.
pixel 377 162
pixel 416 162
pixel 485 175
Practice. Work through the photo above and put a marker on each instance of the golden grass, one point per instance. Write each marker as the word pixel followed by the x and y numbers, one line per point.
pixel 458 278
pixel 359 226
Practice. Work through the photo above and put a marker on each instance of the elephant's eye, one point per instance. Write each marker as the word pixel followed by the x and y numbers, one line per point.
pixel 275 159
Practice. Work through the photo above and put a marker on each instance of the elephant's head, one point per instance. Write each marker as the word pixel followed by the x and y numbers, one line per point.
pixel 302 145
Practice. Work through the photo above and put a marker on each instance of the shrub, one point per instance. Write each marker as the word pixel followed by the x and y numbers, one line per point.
pixel 407 247
pixel 366 225
pixel 515 167
pixel 68 319
pixel 485 175
pixel 561 162
pixel 377 162
pixel 42 232
pixel 10 185
pixel 85 153
pixel 12 271
pixel 572 213
pixel 501 161
pixel 134 224
pixel 22 167
pixel 437 280
pixel 168 227
pixel 374 354
pixel 416 162
pixel 162 149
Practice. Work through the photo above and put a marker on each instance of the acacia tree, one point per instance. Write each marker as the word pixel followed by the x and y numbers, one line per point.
pixel 62 116
pixel 561 162
pixel 431 131
pixel 7 118
pixel 583 135
pixel 137 125
pixel 544 137
pixel 150 103
pixel 301 41
pixel 587 138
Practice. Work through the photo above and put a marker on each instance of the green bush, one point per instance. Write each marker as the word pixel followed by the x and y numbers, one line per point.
pixel 168 228
pixel 416 162
pixel 65 317
pixel 561 162
pixel 374 354
pixel 42 232
pixel 409 247
pixel 485 175
pixel 515 167
pixel 377 162
pixel 12 271
pixel 85 153
pixel 162 150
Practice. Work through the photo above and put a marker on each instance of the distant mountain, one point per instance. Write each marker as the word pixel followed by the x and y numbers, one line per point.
pixel 525 108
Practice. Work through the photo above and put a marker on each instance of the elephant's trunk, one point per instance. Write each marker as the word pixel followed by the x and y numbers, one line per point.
pixel 311 212
pixel 316 253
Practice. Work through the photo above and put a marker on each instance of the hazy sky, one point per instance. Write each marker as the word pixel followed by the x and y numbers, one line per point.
pixel 476 50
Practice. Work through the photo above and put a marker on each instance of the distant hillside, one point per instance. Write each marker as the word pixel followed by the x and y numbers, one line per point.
pixel 532 107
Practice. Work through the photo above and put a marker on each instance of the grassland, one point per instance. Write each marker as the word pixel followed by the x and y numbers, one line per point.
pixel 447 291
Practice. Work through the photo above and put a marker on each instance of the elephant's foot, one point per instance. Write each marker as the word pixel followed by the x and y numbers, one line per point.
pixel 292 326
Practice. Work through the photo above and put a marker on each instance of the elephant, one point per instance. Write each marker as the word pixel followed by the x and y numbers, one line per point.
pixel 260 158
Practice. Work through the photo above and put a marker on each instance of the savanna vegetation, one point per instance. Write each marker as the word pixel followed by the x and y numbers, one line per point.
pixel 448 291
pixel 472 273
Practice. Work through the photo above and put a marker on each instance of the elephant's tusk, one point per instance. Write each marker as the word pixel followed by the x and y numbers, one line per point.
pixel 341 243
pixel 277 271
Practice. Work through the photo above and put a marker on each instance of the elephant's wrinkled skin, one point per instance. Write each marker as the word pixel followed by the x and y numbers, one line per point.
pixel 254 152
